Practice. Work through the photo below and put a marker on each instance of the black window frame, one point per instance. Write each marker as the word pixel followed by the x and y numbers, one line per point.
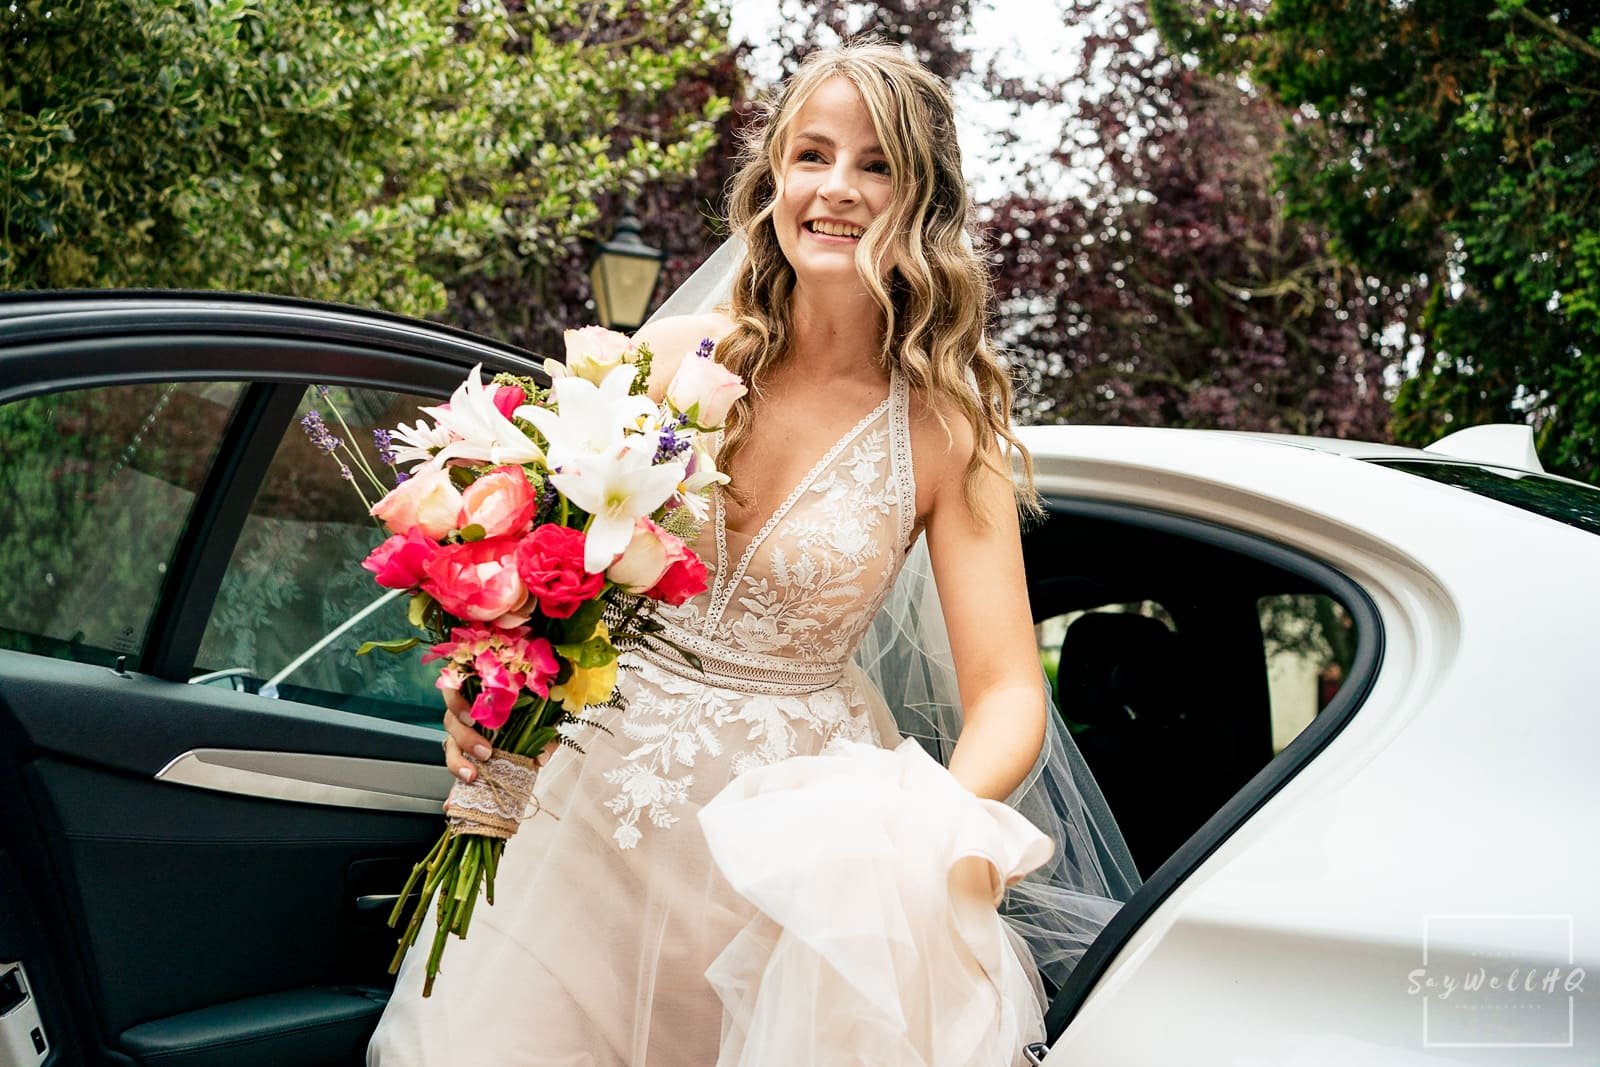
pixel 1364 670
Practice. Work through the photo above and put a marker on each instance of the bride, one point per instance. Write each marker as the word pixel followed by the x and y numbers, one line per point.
pixel 748 867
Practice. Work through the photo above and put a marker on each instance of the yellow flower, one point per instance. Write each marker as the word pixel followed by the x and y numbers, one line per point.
pixel 588 685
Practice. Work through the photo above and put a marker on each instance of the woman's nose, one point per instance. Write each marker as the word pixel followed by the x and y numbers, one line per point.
pixel 840 184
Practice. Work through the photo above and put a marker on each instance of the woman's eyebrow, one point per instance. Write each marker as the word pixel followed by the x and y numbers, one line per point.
pixel 828 142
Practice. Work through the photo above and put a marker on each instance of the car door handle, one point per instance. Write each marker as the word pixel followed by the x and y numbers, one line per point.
pixel 311 778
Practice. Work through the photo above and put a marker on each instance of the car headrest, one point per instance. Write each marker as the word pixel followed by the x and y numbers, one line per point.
pixel 1119 667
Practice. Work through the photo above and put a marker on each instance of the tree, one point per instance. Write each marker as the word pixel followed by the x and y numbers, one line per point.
pixel 1174 292
pixel 1453 145
pixel 530 301
pixel 358 151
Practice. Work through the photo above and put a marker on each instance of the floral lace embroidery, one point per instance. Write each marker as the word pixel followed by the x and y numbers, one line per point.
pixel 676 721
pixel 805 590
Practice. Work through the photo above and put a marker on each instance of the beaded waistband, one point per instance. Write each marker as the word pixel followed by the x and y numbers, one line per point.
pixel 743 673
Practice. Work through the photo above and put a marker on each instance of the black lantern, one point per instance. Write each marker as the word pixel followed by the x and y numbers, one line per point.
pixel 624 275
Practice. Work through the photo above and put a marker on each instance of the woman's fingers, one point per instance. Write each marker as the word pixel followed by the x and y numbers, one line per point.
pixel 461 740
pixel 464 746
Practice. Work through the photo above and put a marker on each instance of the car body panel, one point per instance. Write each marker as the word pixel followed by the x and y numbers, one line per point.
pixel 1455 790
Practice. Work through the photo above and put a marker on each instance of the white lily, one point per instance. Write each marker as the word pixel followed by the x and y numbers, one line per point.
pixel 700 474
pixel 616 487
pixel 589 419
pixel 485 435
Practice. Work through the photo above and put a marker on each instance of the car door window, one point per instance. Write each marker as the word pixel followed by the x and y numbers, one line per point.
pixel 294 604
pixel 1310 642
pixel 97 486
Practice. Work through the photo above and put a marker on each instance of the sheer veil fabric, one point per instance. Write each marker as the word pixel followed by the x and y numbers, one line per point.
pixel 1057 899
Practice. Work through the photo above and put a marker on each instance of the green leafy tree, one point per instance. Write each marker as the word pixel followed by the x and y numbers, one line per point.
pixel 1452 144
pixel 370 152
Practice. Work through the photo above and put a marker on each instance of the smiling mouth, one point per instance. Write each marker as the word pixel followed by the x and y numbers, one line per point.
pixel 835 229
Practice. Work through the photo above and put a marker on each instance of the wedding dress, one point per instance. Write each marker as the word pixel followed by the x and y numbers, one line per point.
pixel 691 893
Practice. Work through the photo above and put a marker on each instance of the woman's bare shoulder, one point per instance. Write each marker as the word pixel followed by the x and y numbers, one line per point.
pixel 677 335
pixel 941 436
pixel 672 338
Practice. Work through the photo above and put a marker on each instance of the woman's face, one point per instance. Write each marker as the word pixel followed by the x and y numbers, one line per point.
pixel 835 181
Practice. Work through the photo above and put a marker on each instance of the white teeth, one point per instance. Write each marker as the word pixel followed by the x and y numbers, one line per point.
pixel 836 229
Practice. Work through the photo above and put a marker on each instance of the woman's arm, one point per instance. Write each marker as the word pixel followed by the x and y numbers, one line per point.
pixel 671 339
pixel 984 594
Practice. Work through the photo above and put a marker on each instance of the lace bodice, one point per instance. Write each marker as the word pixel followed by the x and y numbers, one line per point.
pixel 787 606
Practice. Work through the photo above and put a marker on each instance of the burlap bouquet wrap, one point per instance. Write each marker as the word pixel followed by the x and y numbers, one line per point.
pixel 498 798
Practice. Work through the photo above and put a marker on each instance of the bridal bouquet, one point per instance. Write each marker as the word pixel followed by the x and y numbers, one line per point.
pixel 535 533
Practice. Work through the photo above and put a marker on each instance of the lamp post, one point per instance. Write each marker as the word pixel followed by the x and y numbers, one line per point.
pixel 624 274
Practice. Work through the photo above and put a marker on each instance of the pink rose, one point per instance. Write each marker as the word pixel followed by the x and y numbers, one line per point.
pixel 427 499
pixel 477 580
pixel 684 579
pixel 508 398
pixel 502 502
pixel 399 562
pixel 594 351
pixel 645 560
pixel 550 561
pixel 704 390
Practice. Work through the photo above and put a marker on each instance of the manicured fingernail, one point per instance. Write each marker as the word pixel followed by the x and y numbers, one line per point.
pixel 482 751
pixel 465 773
pixel 465 717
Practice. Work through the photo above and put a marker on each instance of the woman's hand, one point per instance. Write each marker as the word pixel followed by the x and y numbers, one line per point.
pixel 464 746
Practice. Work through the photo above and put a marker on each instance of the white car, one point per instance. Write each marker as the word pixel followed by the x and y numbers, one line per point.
pixel 1335 694
pixel 1414 877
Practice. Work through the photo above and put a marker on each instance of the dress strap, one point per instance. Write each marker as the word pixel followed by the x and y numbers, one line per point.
pixel 905 476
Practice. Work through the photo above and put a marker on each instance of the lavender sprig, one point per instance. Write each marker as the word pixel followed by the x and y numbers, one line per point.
pixel 669 445
pixel 383 440
pixel 322 439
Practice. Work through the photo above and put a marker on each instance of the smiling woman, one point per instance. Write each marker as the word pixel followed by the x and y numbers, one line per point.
pixel 739 784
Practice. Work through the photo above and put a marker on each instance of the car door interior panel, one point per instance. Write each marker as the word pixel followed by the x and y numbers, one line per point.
pixel 234 911
pixel 213 920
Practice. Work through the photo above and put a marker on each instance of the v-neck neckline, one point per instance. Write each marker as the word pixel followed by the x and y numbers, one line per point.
pixel 725 581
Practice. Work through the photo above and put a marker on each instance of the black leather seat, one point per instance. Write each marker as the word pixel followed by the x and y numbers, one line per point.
pixel 1129 683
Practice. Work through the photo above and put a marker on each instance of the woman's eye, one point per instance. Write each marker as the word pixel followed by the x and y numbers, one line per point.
pixel 809 155
pixel 879 167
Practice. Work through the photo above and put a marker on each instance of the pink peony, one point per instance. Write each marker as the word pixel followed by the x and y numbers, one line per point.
pixel 502 502
pixel 477 580
pixel 427 499
pixel 684 579
pixel 550 561
pixel 508 398
pixel 504 663
pixel 400 562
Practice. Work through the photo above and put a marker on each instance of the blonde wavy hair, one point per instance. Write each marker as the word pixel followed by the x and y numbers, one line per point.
pixel 936 300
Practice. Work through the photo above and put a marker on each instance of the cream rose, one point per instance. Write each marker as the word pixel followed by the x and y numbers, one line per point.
pixel 644 561
pixel 594 351
pixel 704 390
pixel 427 500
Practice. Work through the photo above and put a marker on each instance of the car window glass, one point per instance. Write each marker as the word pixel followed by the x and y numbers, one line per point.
pixel 295 605
pixel 1310 641
pixel 1554 498
pixel 97 487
